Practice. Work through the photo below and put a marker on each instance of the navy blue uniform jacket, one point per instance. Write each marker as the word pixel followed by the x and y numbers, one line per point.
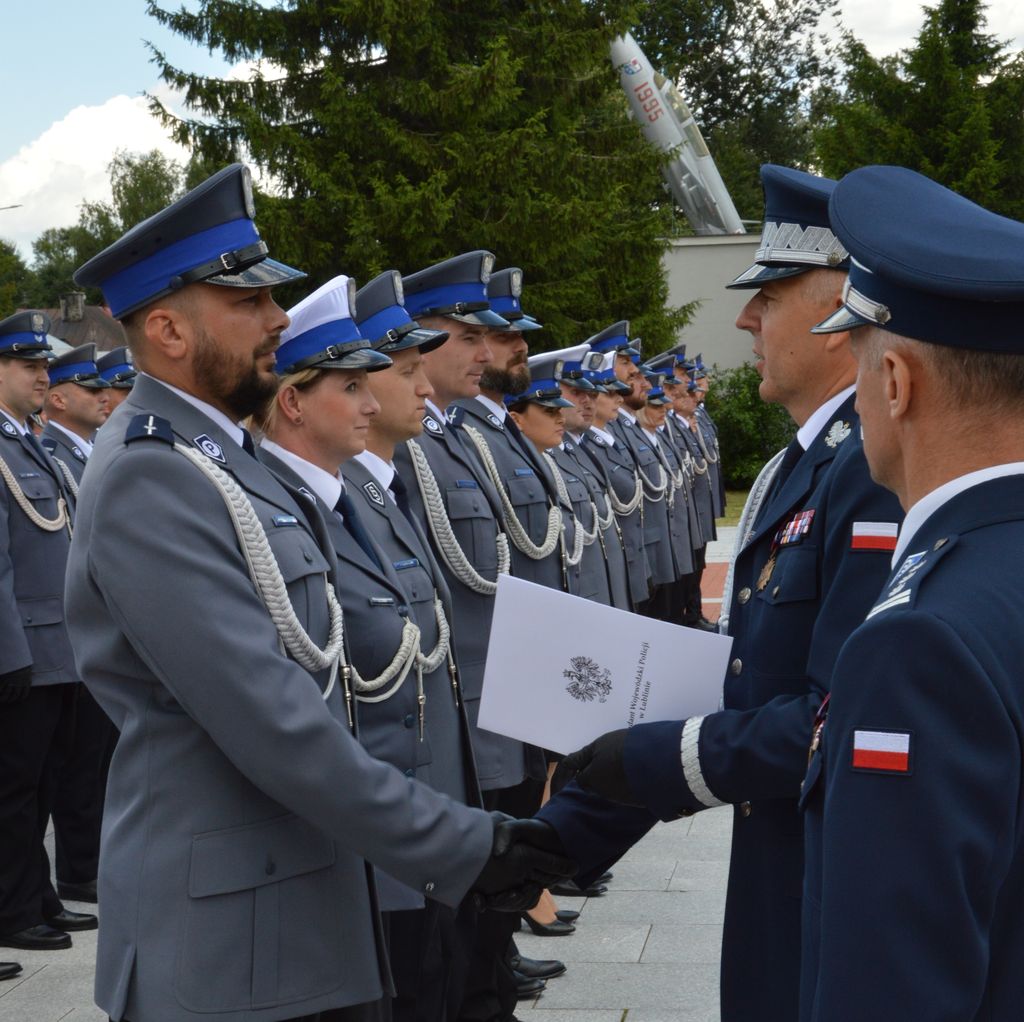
pixel 915 872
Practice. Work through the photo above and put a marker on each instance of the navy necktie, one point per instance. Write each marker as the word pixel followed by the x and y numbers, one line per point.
pixel 355 527
pixel 793 454
pixel 401 495
pixel 247 445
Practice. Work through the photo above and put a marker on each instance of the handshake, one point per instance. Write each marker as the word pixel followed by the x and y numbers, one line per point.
pixel 526 856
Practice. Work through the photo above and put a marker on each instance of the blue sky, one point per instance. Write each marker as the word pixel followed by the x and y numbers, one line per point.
pixel 74 73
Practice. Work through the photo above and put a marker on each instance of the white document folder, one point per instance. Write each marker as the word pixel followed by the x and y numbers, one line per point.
pixel 562 670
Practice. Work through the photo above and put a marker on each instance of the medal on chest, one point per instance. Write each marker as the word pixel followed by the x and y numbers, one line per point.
pixel 792 532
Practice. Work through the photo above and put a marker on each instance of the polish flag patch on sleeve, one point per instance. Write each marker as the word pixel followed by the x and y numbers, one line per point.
pixel 882 751
pixel 874 536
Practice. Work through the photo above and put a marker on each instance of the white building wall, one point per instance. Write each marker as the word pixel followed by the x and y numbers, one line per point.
pixel 698 270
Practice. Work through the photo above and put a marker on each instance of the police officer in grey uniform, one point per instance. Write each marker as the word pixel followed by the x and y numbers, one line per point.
pixel 532 514
pixel 240 808
pixel 76 406
pixel 430 947
pixel 37 670
pixel 117 369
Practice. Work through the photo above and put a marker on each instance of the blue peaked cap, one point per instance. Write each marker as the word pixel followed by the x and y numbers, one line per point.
pixel 796 236
pixel 544 388
pixel 503 292
pixel 382 318
pixel 612 338
pixel 117 368
pixel 77 366
pixel 455 287
pixel 927 263
pixel 207 235
pixel 23 335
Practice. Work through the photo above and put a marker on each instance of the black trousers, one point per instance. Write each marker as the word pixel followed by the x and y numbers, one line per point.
pixel 490 994
pixel 35 736
pixel 353 1013
pixel 80 789
pixel 693 610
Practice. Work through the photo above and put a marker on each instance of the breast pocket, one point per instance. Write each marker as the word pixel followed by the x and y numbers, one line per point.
pixel 303 566
pixel 530 500
pixel 794 578
pixel 43 621
pixel 41 490
pixel 250 889
pixel 474 528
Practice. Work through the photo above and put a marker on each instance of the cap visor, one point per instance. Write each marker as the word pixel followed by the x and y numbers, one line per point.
pixel 758 275
pixel 267 273
pixel 362 358
pixel 526 323
pixel 422 338
pixel 840 320
pixel 98 384
pixel 553 402
pixel 484 317
pixel 584 385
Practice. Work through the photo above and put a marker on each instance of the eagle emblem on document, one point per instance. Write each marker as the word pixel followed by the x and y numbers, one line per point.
pixel 837 433
pixel 588 680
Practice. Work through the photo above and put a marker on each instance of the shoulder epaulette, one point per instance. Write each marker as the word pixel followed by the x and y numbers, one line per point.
pixel 149 427
pixel 455 415
pixel 49 443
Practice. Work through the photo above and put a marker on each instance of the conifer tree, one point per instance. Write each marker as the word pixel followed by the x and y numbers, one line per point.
pixel 391 135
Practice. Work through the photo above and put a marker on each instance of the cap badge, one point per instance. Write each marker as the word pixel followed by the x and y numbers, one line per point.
pixel 372 490
pixel 210 448
pixel 837 433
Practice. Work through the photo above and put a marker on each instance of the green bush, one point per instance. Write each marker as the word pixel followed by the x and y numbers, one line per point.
pixel 749 430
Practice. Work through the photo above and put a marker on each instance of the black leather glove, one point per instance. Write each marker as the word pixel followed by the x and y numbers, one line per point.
pixel 15 685
pixel 600 768
pixel 526 857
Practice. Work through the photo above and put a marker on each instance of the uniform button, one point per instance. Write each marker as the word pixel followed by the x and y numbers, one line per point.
pixel 271 867
pixel 428 886
pixel 776 591
pixel 409 720
pixel 745 809
pixel 476 506
pixel 403 608
pixel 736 666
pixel 744 595
pixel 308 556
pixel 410 772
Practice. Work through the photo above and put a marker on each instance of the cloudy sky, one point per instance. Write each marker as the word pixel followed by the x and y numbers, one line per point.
pixel 75 82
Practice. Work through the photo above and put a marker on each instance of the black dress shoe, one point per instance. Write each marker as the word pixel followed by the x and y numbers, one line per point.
pixel 8 970
pixel 703 624
pixel 78 892
pixel 570 889
pixel 537 968
pixel 69 921
pixel 567 915
pixel 527 986
pixel 604 877
pixel 555 929
pixel 37 938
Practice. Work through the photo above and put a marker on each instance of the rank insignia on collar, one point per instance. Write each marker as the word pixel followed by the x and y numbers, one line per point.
pixel 837 433
pixel 9 429
pixel 48 444
pixel 308 494
pixel 210 448
pixel 432 425
pixel 494 420
pixel 372 490
pixel 597 439
pixel 78 454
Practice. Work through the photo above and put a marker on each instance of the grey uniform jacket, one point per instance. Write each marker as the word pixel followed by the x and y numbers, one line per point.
pixel 529 486
pixel 701 487
pixel 679 438
pixel 594 474
pixel 240 810
pixel 678 498
pixel 657 531
pixel 64 450
pixel 32 565
pixel 620 473
pixel 709 434
pixel 591 572
pixel 472 507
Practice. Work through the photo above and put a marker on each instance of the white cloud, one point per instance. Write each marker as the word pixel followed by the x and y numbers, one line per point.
pixel 67 164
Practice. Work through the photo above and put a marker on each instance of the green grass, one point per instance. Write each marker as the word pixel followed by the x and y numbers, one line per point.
pixel 734 501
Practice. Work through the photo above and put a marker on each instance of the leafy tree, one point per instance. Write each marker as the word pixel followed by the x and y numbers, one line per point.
pixel 949 107
pixel 14 279
pixel 141 185
pixel 748 70
pixel 749 430
pixel 396 134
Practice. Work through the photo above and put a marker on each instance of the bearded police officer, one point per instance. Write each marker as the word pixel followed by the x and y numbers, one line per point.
pixel 240 808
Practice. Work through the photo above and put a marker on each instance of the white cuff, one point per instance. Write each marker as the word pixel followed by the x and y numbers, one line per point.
pixel 690 756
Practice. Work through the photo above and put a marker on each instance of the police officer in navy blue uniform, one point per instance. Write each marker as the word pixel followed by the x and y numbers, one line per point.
pixel 913 794
pixel 810 560
pixel 76 406
pixel 38 680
